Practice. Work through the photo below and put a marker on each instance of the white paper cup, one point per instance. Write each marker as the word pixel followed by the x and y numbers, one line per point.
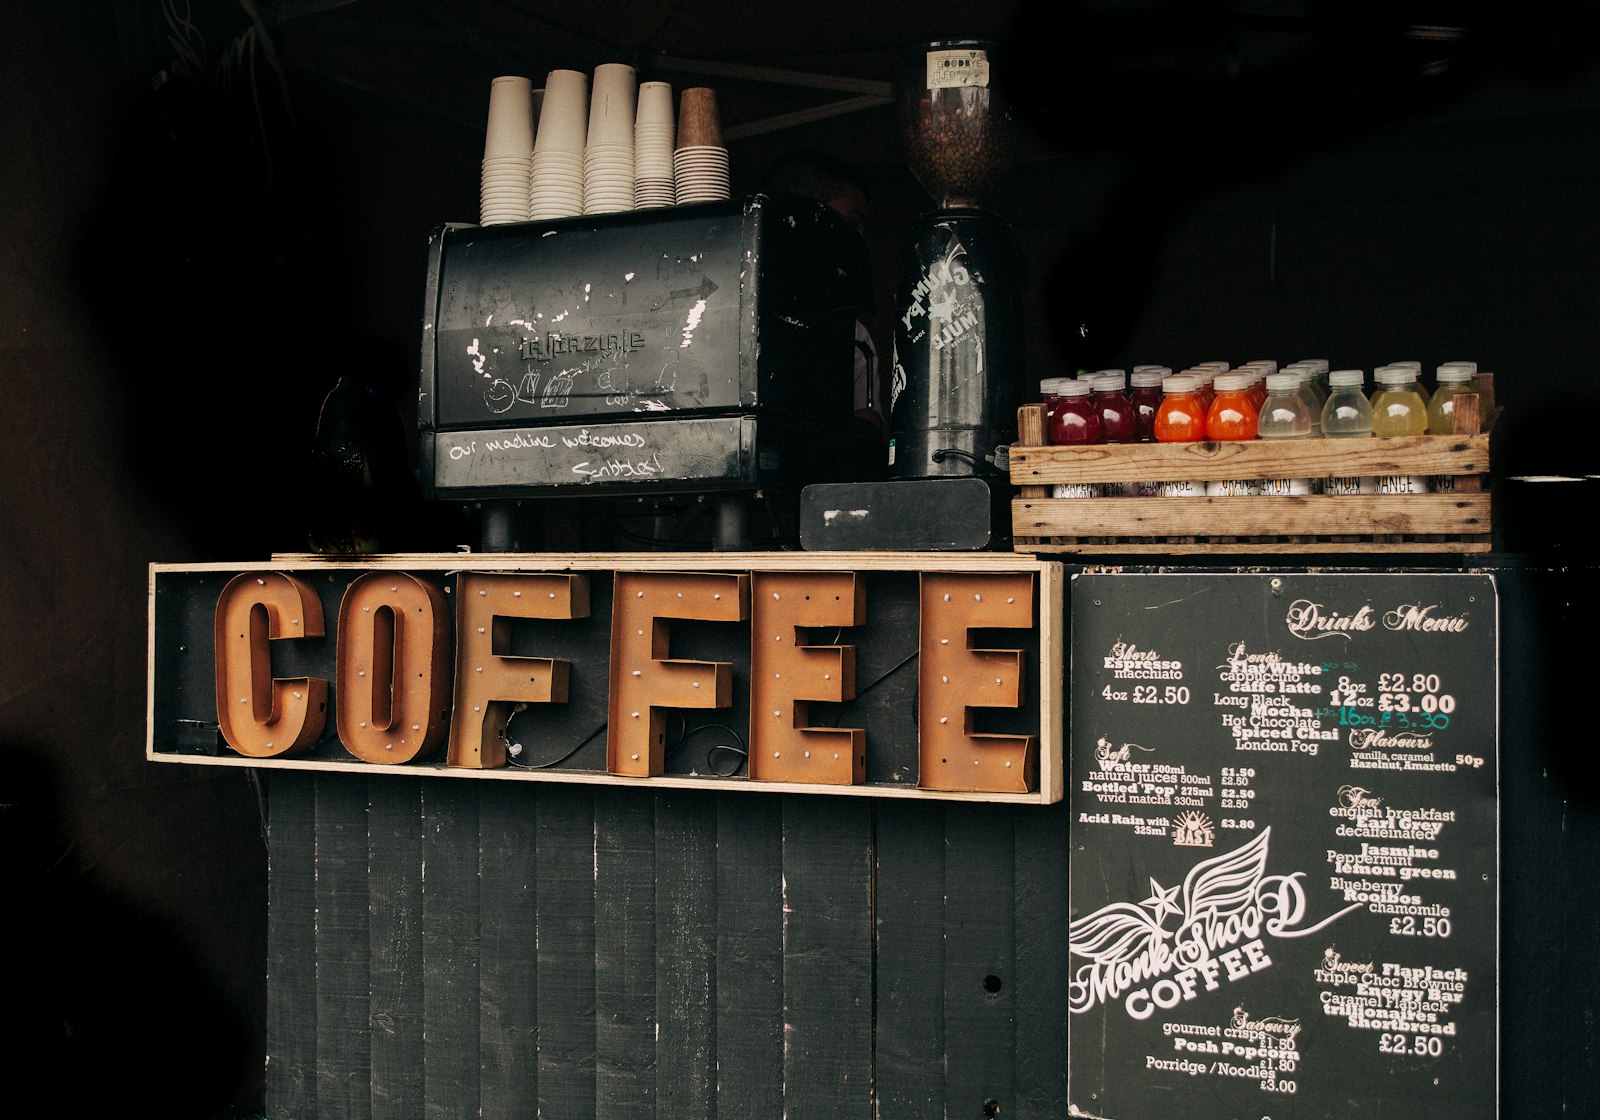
pixel 612 101
pixel 509 131
pixel 564 113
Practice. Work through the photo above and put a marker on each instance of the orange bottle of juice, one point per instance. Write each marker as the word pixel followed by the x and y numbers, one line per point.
pixel 1232 414
pixel 1181 418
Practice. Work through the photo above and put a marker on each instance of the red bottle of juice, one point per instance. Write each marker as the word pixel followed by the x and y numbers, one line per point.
pixel 1145 396
pixel 1075 420
pixel 1118 423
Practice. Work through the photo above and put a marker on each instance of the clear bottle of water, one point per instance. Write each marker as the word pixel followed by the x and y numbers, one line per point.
pixel 1347 413
pixel 1284 415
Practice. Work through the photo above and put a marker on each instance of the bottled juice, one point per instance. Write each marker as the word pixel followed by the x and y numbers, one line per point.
pixel 1118 424
pixel 1347 413
pixel 1415 369
pixel 1145 396
pixel 1050 395
pixel 1452 379
pixel 1312 394
pixel 1232 414
pixel 1181 418
pixel 1284 415
pixel 1397 405
pixel 1398 410
pixel 1075 420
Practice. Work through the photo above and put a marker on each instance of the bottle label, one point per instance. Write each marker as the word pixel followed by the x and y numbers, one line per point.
pixel 1402 484
pixel 947 69
pixel 1346 485
pixel 1285 487
pixel 1232 487
pixel 1182 489
pixel 1442 484
pixel 1075 490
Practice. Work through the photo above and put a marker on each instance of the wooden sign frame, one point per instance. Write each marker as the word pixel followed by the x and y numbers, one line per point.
pixel 798 672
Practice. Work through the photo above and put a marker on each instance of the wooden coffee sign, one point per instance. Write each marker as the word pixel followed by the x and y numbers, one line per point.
pixel 822 672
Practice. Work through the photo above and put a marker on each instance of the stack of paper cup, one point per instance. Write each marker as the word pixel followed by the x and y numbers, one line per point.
pixel 556 177
pixel 507 152
pixel 700 161
pixel 608 153
pixel 654 138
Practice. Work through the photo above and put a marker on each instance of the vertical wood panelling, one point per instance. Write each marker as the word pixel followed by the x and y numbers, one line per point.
pixel 909 1043
pixel 450 949
pixel 343 951
pixel 980 962
pixel 440 948
pixel 625 954
pixel 508 1008
pixel 749 956
pixel 291 1077
pixel 565 907
pixel 827 958
pixel 686 960
pixel 394 839
pixel 1042 917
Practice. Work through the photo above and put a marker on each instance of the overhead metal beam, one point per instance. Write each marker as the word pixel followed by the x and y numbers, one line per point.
pixel 884 91
pixel 803 116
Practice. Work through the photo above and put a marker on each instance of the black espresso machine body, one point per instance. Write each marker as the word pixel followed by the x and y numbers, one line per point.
pixel 706 347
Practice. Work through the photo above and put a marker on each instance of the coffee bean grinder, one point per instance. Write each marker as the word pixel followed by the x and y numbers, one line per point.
pixel 958 336
pixel 958 331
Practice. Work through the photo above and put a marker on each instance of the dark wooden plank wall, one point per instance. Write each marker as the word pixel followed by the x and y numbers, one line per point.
pixel 446 947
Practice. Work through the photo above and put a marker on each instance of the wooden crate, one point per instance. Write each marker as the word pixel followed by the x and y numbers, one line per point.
pixel 1458 522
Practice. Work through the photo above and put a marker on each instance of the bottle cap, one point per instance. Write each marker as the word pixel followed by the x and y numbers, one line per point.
pixel 1318 364
pixel 1109 381
pixel 1051 385
pixel 1163 370
pixel 1414 367
pixel 1264 363
pixel 1074 387
pixel 1456 373
pixel 1282 382
pixel 1344 378
pixel 1181 383
pixel 1470 367
pixel 1231 382
pixel 1150 375
pixel 1393 374
pixel 1214 367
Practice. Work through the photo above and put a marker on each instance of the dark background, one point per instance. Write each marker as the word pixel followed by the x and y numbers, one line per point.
pixel 216 210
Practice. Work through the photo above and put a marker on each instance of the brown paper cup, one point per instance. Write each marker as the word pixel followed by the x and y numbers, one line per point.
pixel 699 122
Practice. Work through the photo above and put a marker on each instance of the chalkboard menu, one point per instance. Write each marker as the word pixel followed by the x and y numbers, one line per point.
pixel 1284 845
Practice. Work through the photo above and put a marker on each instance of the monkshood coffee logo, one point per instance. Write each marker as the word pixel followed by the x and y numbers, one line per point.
pixel 1311 620
pixel 1226 909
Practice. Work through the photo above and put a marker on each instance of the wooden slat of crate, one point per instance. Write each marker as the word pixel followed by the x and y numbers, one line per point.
pixel 1418 523
pixel 1313 458
pixel 1422 514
